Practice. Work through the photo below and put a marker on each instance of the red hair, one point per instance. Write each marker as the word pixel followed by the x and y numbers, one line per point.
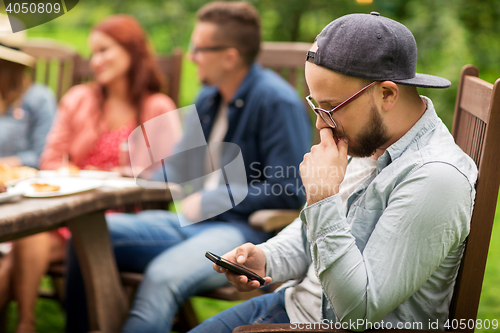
pixel 144 76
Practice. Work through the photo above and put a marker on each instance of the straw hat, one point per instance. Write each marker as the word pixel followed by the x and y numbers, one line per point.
pixel 11 43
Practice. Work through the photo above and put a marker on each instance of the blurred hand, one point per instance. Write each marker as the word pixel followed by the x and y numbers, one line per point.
pixel 12 161
pixel 323 169
pixel 251 257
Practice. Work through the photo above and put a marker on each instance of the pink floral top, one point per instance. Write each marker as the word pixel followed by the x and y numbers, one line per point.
pixel 105 155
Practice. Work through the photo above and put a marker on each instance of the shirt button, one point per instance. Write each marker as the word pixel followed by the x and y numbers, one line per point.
pixel 239 103
pixel 206 119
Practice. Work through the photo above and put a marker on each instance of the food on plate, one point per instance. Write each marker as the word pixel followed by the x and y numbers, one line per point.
pixel 39 187
pixel 8 173
pixel 3 188
pixel 69 170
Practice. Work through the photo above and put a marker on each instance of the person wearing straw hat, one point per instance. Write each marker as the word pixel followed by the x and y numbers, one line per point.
pixel 26 109
pixel 26 114
pixel 389 196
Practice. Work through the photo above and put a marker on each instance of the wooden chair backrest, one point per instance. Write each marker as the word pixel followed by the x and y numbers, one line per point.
pixel 54 64
pixel 170 66
pixel 476 129
pixel 287 59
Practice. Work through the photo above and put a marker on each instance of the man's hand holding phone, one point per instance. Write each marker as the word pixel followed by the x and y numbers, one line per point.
pixel 251 257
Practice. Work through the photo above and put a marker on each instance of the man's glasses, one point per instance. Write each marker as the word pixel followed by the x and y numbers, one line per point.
pixel 193 49
pixel 326 115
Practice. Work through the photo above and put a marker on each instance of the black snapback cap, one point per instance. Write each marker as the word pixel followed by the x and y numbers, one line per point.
pixel 372 47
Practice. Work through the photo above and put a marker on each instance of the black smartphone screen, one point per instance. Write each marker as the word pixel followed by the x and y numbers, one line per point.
pixel 234 267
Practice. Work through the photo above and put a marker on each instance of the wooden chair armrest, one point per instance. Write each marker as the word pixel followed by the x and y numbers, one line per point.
pixel 272 219
pixel 291 328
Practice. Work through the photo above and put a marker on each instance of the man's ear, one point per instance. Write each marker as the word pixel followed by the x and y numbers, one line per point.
pixel 390 94
pixel 232 58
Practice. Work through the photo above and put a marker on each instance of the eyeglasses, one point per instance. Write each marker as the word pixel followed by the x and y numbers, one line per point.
pixel 193 49
pixel 326 115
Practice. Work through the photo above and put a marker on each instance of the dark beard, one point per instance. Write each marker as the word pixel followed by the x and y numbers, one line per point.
pixel 372 137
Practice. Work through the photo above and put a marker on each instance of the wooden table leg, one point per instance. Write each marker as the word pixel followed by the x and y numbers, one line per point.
pixel 107 304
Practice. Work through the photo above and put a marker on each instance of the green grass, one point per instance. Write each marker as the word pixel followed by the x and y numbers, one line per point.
pixel 489 305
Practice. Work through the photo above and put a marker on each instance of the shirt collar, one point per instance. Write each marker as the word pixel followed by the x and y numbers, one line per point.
pixel 426 123
pixel 246 85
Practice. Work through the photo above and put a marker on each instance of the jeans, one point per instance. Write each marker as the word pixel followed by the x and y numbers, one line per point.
pixel 172 259
pixel 265 309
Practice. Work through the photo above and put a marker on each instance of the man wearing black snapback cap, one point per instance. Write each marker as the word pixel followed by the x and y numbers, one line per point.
pixel 389 196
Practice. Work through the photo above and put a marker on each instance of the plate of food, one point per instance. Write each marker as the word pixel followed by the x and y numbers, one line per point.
pixel 12 175
pixel 73 172
pixel 64 171
pixel 52 187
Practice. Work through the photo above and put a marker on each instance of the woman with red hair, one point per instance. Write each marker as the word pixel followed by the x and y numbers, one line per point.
pixel 92 121
pixel 93 118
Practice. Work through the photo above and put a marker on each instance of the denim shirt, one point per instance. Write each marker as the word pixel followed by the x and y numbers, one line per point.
pixel 393 256
pixel 23 128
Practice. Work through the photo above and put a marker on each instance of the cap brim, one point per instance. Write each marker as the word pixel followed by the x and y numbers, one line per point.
pixel 16 56
pixel 425 81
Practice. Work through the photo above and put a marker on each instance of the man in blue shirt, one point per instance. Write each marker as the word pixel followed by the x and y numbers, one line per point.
pixel 242 104
pixel 380 241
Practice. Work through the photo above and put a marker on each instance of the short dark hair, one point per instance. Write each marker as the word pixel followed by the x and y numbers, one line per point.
pixel 238 25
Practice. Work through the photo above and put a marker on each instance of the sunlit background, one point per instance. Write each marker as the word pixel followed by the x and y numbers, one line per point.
pixel 449 35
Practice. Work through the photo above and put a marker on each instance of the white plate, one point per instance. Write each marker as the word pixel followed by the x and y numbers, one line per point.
pixel 69 185
pixel 90 174
pixel 12 194
pixel 120 183
pixel 96 174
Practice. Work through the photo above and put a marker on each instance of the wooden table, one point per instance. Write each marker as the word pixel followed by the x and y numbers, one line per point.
pixel 83 213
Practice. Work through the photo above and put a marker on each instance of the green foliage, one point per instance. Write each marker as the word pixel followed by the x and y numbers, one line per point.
pixel 449 34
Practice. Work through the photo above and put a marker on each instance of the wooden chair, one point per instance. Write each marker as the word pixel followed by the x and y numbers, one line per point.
pixel 476 129
pixel 170 66
pixel 287 59
pixel 54 66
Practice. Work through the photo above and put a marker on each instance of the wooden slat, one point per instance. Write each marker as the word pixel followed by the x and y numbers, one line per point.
pixel 477 97
pixel 283 54
pixel 49 52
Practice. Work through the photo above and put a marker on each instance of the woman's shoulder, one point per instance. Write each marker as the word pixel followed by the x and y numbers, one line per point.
pixel 156 104
pixel 80 91
pixel 159 100
pixel 80 96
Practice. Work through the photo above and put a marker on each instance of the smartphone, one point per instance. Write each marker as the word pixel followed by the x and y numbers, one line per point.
pixel 234 267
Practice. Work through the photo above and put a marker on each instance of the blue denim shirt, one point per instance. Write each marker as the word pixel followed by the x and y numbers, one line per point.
pixel 23 128
pixel 395 253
